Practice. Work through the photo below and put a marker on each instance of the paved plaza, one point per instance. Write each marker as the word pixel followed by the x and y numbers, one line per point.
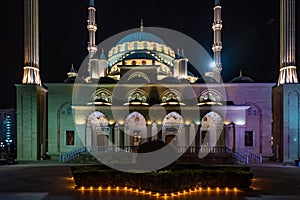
pixel 45 181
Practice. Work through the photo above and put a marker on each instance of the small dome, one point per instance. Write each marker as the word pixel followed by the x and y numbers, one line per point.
pixel 170 80
pixel 74 79
pixel 106 80
pixel 205 79
pixel 242 79
pixel 141 36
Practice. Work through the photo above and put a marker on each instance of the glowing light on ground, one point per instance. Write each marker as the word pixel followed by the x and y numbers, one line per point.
pixel 210 190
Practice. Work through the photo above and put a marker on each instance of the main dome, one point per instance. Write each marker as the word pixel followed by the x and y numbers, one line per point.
pixel 141 36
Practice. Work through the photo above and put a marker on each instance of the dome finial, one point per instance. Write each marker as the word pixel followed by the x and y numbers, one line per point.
pixel 241 74
pixel 72 68
pixel 142 26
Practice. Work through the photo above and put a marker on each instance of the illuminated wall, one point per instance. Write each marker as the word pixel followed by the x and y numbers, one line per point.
pixel 286 122
pixel 31 122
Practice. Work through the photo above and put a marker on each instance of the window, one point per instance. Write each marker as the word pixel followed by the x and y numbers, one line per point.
pixel 248 138
pixel 254 112
pixel 66 110
pixel 70 140
pixel 249 111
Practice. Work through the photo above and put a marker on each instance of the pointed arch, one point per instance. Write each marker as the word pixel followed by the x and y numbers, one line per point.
pixel 97 130
pixel 172 129
pixel 135 129
pixel 211 129
pixel 254 119
pixel 63 110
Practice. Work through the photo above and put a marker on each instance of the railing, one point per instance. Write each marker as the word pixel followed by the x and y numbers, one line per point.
pixel 178 149
pixel 256 157
pixel 95 149
pixel 65 157
pixel 202 149
pixel 237 156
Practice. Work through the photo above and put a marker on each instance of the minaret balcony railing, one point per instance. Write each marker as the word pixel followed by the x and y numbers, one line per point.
pixel 217 27
pixel 92 27
pixel 92 48
pixel 216 48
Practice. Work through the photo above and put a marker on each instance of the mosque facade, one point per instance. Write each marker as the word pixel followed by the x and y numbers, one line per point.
pixel 143 90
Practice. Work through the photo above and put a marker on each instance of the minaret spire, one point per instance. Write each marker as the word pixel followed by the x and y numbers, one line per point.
pixel 92 28
pixel 217 45
pixel 288 69
pixel 31 43
pixel 142 25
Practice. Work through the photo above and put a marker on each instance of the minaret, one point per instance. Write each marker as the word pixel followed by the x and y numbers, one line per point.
pixel 92 28
pixel 31 43
pixel 217 45
pixel 288 70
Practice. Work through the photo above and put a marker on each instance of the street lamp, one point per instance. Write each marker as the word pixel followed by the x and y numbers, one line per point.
pixel 8 142
pixel 2 146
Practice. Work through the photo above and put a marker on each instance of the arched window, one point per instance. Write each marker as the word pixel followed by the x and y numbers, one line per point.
pixel 66 110
pixel 154 47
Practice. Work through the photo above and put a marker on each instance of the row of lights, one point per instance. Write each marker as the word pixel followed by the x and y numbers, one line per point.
pixel 173 194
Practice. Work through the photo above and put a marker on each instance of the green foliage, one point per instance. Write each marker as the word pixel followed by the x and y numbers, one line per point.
pixel 181 177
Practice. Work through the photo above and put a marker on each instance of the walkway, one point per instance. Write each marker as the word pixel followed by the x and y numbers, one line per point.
pixel 47 181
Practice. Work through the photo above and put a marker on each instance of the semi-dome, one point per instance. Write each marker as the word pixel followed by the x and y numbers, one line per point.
pixel 139 56
pixel 141 36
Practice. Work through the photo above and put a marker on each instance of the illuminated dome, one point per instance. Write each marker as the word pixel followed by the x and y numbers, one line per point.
pixel 141 36
pixel 141 49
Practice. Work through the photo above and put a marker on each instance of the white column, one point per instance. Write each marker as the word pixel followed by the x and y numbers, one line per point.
pixel 154 131
pixel 88 137
pixel 192 137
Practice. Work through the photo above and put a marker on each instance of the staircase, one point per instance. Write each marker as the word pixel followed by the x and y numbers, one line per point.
pixel 213 155
pixel 253 158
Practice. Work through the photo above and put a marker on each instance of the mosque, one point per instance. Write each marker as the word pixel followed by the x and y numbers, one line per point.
pixel 143 90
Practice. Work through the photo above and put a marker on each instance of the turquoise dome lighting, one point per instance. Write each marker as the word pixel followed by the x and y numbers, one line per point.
pixel 141 36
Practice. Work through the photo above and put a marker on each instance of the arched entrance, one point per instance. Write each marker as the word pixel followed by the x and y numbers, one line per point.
pixel 135 130
pixel 253 137
pixel 211 129
pixel 97 130
pixel 173 125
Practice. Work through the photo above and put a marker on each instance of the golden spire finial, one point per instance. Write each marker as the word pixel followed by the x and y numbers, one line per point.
pixel 241 74
pixel 142 26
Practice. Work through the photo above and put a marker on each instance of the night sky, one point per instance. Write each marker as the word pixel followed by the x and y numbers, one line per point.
pixel 250 34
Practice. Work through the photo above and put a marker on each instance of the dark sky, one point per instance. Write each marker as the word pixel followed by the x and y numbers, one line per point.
pixel 250 34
